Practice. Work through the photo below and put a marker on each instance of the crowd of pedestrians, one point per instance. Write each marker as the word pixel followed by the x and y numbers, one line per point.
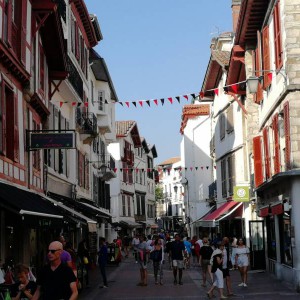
pixel 60 277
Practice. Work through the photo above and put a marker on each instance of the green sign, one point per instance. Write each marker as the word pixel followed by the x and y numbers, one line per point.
pixel 241 193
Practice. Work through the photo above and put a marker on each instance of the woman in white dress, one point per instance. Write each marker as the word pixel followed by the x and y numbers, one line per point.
pixel 242 260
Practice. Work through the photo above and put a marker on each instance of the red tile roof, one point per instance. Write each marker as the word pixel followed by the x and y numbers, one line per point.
pixel 170 161
pixel 193 111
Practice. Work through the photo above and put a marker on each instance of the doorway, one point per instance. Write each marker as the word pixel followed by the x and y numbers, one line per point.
pixel 257 248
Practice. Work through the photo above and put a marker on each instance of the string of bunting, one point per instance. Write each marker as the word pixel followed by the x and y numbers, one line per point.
pixel 160 169
pixel 171 100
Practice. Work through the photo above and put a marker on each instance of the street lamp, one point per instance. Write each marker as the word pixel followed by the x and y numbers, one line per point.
pixel 187 217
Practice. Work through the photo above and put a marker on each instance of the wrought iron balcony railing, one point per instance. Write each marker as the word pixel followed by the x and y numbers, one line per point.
pixel 75 78
pixel 86 122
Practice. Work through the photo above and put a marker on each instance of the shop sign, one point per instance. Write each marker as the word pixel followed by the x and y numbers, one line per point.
pixel 241 193
pixel 51 141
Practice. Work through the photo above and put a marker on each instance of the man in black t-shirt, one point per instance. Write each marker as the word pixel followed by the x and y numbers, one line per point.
pixel 177 250
pixel 56 281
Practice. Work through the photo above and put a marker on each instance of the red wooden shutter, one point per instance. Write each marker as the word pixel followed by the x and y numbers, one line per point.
pixel 276 145
pixel 277 36
pixel 287 135
pixel 23 31
pixel 258 166
pixel 259 94
pixel 3 119
pixel 124 172
pixel 16 130
pixel 8 12
pixel 266 57
pixel 267 152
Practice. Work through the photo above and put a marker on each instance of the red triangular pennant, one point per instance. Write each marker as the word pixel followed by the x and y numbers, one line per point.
pixel 186 97
pixel 141 103
pixel 155 101
pixel 127 103
pixel 216 91
pixel 270 76
pixel 201 94
pixel 61 104
pixel 115 170
pixel 74 103
pixel 170 99
pixel 86 104
pixel 234 88
pixel 191 168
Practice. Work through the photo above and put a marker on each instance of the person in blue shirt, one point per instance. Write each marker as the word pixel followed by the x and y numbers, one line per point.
pixel 177 250
pixel 188 251
pixel 102 260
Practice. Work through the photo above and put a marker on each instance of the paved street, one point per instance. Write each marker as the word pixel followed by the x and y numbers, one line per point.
pixel 122 282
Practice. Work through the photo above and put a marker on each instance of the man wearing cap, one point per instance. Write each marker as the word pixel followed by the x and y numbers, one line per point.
pixel 56 281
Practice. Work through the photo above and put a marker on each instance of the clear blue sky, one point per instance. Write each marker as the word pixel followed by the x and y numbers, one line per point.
pixel 158 49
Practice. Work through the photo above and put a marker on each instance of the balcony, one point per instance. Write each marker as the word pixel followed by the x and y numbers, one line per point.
pixel 140 218
pixel 104 123
pixel 105 166
pixel 75 78
pixel 86 124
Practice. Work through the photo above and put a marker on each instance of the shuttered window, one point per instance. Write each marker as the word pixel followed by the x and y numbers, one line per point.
pixel 267 152
pixel 266 57
pixel 231 173
pixel 258 97
pixel 286 111
pixel 257 157
pixel 276 144
pixel 222 126
pixel 277 37
pixel 7 22
pixel 42 70
pixel 223 178
pixel 229 128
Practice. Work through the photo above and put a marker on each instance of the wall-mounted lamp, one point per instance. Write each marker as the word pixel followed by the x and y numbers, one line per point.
pixel 252 81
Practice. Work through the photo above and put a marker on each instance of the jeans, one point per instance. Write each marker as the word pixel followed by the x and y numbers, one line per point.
pixel 103 273
pixel 157 266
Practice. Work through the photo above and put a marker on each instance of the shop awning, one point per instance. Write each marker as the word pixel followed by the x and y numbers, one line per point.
pixel 204 215
pixel 25 202
pixel 224 211
pixel 91 223
pixel 92 210
pixel 129 223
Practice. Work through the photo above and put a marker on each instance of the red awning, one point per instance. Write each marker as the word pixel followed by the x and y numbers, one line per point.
pixel 264 212
pixel 222 210
pixel 277 209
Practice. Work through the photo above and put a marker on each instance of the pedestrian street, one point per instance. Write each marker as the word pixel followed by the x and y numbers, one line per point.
pixel 123 279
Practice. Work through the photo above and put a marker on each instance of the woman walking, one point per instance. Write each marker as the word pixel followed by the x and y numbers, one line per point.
pixel 242 260
pixel 157 256
pixel 217 262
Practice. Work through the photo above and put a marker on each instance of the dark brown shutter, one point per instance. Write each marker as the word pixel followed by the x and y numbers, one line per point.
pixel 16 130
pixel 257 157
pixel 23 31
pixel 287 135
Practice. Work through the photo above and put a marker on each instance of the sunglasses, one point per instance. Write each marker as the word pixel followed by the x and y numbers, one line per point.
pixel 53 250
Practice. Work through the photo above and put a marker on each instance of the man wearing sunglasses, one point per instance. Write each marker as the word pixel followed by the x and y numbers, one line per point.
pixel 56 281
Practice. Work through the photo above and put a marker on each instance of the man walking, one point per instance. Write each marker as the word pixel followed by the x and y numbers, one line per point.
pixel 177 251
pixel 102 260
pixel 56 280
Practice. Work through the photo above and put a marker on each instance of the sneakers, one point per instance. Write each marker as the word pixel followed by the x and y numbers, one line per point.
pixel 243 284
pixel 103 286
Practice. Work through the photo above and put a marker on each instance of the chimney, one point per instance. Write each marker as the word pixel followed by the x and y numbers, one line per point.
pixel 235 7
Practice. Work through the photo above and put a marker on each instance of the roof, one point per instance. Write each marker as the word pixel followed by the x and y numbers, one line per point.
pixel 193 111
pixel 124 128
pixel 101 72
pixel 170 161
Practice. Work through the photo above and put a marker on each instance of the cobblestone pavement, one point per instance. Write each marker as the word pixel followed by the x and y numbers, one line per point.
pixel 123 279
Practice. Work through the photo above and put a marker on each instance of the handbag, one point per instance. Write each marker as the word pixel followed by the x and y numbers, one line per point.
pixel 85 260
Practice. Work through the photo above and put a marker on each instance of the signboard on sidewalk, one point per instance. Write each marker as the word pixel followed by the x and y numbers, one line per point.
pixel 241 193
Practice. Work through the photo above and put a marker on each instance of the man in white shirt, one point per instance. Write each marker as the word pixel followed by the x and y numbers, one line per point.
pixel 135 245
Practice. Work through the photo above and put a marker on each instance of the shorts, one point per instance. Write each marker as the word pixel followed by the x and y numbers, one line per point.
pixel 243 261
pixel 218 279
pixel 225 273
pixel 177 263
pixel 205 264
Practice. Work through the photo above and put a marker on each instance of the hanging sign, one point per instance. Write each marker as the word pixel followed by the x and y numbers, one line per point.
pixel 241 193
pixel 45 140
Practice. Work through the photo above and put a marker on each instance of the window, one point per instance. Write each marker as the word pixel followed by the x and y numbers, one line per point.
pixel 229 119
pixel 150 211
pixel 123 205
pixel 129 205
pixel 223 178
pixel 101 99
pixel 222 126
pixel 285 238
pixel 83 172
pixel 231 173
pixel 277 36
pixel 266 56
pixel 267 152
pixel 7 22
pixel 140 205
pixel 9 129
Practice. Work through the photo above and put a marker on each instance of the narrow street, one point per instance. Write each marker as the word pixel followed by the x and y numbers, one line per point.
pixel 122 282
